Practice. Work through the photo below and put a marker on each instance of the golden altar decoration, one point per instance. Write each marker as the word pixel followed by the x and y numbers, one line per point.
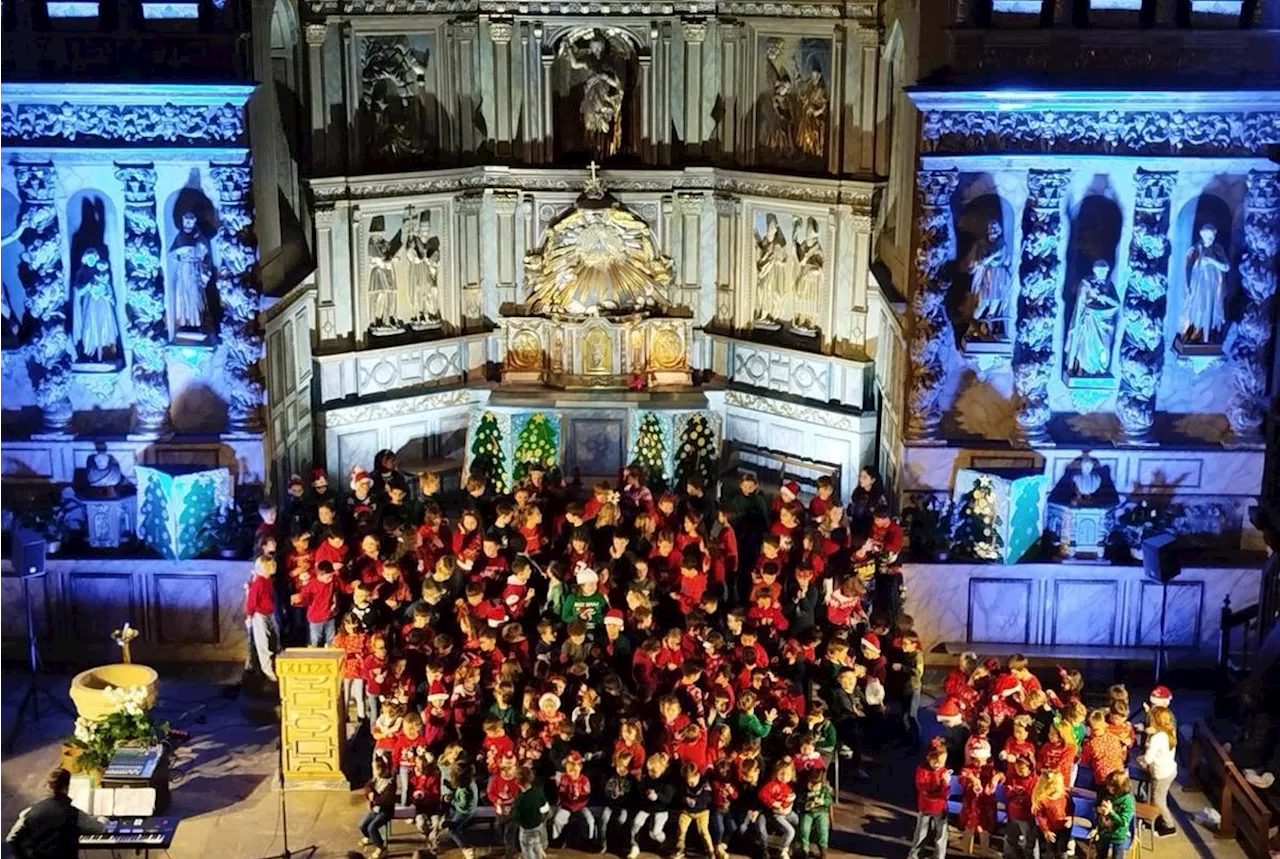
pixel 313 717
pixel 597 313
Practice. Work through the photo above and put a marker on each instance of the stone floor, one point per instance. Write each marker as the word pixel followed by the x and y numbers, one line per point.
pixel 225 796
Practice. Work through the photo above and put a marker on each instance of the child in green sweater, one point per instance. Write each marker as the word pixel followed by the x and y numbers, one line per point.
pixel 1114 815
pixel 815 813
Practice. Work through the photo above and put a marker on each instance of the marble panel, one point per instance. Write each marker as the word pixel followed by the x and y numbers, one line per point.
pixel 1183 612
pixel 409 441
pixel 185 608
pixel 26 463
pixel 357 447
pixel 783 438
pixel 1086 611
pixel 100 602
pixel 1000 610
pixel 594 445
pixel 1170 473
pixel 742 429
pixel 451 441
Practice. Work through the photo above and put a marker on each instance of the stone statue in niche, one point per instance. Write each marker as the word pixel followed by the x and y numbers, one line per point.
pixel 423 255
pixel 809 262
pixel 1092 330
pixel 793 110
pixel 773 280
pixel 102 475
pixel 990 265
pixel 95 330
pixel 601 72
pixel 191 269
pixel 382 280
pixel 1086 481
pixel 1203 305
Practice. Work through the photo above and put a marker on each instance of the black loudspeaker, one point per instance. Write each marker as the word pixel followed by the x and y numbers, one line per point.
pixel 27 553
pixel 1160 558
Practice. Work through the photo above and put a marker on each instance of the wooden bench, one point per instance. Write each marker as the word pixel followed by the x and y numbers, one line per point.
pixel 1059 652
pixel 1245 816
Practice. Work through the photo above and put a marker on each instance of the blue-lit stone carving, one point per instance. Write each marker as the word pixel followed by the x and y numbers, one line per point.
pixel 49 349
pixel 1254 331
pixel 932 338
pixel 89 124
pixel 1040 274
pixel 1142 343
pixel 238 255
pixel 144 297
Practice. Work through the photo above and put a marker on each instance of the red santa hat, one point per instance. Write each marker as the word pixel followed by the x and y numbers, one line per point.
pixel 574 758
pixel 949 711
pixel 295 480
pixel 437 692
pixel 1161 697
pixel 791 488
pixel 317 475
pixel 871 642
pixel 615 616
pixel 359 475
pixel 977 749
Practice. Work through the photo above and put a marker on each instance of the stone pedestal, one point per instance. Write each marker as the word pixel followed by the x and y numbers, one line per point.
pixel 1081 531
pixel 109 519
pixel 313 718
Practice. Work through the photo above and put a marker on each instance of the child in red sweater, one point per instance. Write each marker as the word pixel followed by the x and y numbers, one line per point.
pixel 319 595
pixel 933 784
pixel 260 618
pixel 354 643
pixel 1049 803
pixel 1020 831
pixel 1103 750
pixel 573 792
pixel 978 780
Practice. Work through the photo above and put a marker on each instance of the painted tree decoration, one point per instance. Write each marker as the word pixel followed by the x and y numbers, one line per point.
pixel 977 533
pixel 537 444
pixel 697 451
pixel 651 452
pixel 486 452
pixel 153 514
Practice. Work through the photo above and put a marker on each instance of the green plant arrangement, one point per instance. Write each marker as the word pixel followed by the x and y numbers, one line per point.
pixel 486 452
pixel 651 452
pixel 129 722
pixel 696 453
pixel 1142 518
pixel 977 536
pixel 535 445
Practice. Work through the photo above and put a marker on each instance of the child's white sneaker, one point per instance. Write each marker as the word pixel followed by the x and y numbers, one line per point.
pixel 633 852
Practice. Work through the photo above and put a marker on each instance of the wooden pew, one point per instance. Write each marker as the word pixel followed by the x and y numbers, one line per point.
pixel 1245 816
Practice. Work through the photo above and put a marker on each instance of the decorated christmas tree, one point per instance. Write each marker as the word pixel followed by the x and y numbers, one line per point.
pixel 696 452
pixel 486 453
pixel 651 452
pixel 536 445
pixel 977 525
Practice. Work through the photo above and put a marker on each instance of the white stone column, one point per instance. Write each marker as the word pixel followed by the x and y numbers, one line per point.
pixel 504 209
pixel 326 324
pixel 690 206
pixel 315 36
pixel 469 252
pixel 238 252
pixel 694 32
pixel 1255 332
pixel 500 32
pixel 648 138
pixel 727 211
pixel 463 35
pixel 50 349
pixel 1041 273
pixel 730 53
pixel 148 333
pixel 548 123
pixel 932 338
pixel 1142 317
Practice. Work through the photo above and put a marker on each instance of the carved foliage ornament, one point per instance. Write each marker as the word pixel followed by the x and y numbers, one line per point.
pixel 1142 320
pixel 156 124
pixel 1143 132
pixel 238 256
pixel 1249 353
pixel 144 295
pixel 1040 272
pixel 931 333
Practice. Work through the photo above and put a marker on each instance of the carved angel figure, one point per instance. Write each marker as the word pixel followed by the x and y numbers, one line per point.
pixel 773 284
pixel 190 274
pixel 1092 329
pixel 991 267
pixel 1203 306
pixel 424 267
pixel 97 334
pixel 602 90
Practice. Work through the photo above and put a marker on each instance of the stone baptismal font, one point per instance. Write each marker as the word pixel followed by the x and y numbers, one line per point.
pixel 597 312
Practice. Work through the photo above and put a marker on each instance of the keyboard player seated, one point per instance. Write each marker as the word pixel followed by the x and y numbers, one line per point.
pixel 51 828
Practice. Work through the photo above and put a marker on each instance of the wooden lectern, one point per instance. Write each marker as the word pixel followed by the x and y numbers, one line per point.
pixel 313 718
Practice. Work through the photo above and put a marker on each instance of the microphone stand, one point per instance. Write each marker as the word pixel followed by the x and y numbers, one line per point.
pixel 286 853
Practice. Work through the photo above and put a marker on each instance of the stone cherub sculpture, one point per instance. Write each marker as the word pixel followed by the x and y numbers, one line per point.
pixel 1092 329
pixel 990 264
pixel 1204 304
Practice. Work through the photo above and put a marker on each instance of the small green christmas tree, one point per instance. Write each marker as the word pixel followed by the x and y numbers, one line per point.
pixel 536 445
pixel 977 535
pixel 696 452
pixel 486 453
pixel 651 452
pixel 153 519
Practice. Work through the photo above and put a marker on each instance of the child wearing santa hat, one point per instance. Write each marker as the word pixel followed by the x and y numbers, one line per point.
pixel 955 733
pixel 978 780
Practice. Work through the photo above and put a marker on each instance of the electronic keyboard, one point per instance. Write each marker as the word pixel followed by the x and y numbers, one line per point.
pixel 137 833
